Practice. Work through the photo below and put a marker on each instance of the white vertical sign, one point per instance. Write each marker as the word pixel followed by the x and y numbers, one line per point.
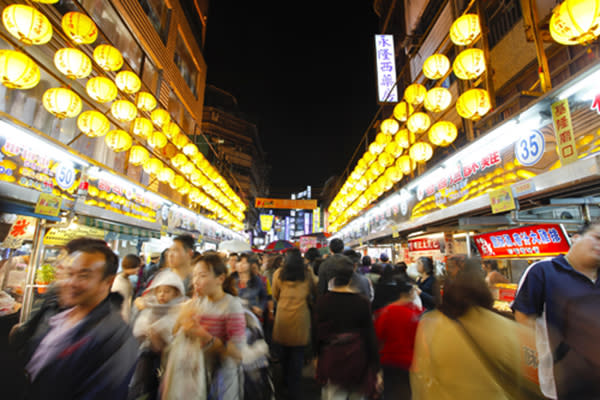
pixel 386 68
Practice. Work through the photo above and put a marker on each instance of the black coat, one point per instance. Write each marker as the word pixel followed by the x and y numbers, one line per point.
pixel 427 296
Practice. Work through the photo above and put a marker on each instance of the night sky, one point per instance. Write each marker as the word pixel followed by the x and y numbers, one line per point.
pixel 305 72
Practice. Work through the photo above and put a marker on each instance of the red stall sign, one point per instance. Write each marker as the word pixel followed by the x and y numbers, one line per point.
pixel 423 244
pixel 527 241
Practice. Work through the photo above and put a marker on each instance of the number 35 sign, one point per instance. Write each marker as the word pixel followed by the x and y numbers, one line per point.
pixel 530 147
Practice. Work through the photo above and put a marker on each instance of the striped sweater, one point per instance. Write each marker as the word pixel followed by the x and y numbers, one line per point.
pixel 224 319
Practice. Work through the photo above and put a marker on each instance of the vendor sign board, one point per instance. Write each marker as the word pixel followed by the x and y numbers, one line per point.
pixel 285 204
pixel 423 244
pixel 48 204
pixel 62 236
pixel 502 200
pixel 524 242
pixel 563 129
pixel 22 229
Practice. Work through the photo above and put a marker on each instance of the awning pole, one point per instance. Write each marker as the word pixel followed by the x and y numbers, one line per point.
pixel 34 261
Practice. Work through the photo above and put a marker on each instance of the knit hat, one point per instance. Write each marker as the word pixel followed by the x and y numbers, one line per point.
pixel 168 278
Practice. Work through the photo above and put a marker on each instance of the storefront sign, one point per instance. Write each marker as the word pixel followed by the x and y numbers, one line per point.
pixel 22 229
pixel 423 244
pixel 285 204
pixel 528 241
pixel 317 219
pixel 266 222
pixel 563 129
pixel 529 149
pixel 502 200
pixel 48 204
pixel 62 236
pixel 386 68
pixel 306 242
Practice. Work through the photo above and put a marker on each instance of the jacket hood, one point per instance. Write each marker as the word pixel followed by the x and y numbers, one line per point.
pixel 168 278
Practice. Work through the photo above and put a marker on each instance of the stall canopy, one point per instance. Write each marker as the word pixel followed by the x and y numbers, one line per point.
pixel 22 209
pixel 235 245
pixel 120 229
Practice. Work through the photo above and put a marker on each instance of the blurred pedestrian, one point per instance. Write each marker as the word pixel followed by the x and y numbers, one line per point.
pixel 386 289
pixel 347 348
pixel 426 282
pixel 561 298
pixel 294 289
pixel 492 274
pixel 122 285
pixel 86 351
pixel 250 287
pixel 336 246
pixel 454 264
pixel 232 262
pixel 359 282
pixel 365 265
pixel 313 259
pixel 396 326
pixel 180 257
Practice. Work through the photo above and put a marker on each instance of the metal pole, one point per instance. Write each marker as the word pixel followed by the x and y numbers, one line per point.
pixel 468 238
pixel 34 261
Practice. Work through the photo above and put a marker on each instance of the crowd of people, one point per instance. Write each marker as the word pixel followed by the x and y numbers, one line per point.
pixel 235 326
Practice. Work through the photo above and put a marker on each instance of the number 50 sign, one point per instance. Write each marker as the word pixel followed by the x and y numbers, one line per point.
pixel 529 149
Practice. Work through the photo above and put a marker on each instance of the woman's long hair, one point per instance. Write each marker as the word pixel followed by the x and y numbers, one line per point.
pixel 465 291
pixel 293 266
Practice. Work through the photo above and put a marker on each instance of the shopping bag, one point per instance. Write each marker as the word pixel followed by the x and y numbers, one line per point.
pixel 185 373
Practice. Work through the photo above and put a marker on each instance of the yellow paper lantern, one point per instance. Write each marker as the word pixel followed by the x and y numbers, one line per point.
pixel 473 104
pixel 177 182
pixel 108 57
pixel 181 140
pixel 438 99
pixel 145 101
pixel 405 164
pixel 375 148
pixel 123 110
pixel 421 152
pixel 166 175
pixel 27 24
pixel 46 1
pixel 160 117
pixel 138 155
pixel 188 168
pixel 389 126
pixel 415 94
pixel 385 159
pixel 93 123
pixel 73 63
pixel 142 127
pixel 394 174
pixel 442 133
pixel 118 140
pixel 101 89
pixel 418 122
pixel 394 149
pixel 128 82
pixel 17 70
pixel 157 139
pixel 153 166
pixel 61 102
pixel 369 158
pixel 436 66
pixel 469 64
pixel 404 138
pixel 179 160
pixel 575 22
pixel 465 30
pixel 190 149
pixel 382 139
pixel 402 111
pixel 376 169
pixel 171 129
pixel 79 28
pixel 185 188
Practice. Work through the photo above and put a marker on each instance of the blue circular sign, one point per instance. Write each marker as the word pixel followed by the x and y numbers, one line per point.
pixel 529 149
pixel 65 175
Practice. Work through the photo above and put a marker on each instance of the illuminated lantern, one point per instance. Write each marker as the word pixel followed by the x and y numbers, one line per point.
pixel 27 24
pixel 465 30
pixel 118 140
pixel 128 82
pixel 181 140
pixel 46 1
pixel 394 174
pixel 389 126
pixel 179 160
pixel 93 123
pixel 169 151
pixel 469 64
pixel 138 155
pixel 73 63
pixel 436 66
pixel 166 175
pixel 108 57
pixel 442 133
pixel 177 182
pixel 61 102
pixel 382 139
pixel 575 22
pixel 375 148
pixel 438 99
pixel 402 111
pixel 421 152
pixel 123 110
pixel 171 129
pixel 142 127
pixel 145 101
pixel 190 149
pixel 79 28
pixel 185 188
pixel 369 158
pixel 376 169
pixel 418 122
pixel 101 89
pixel 157 139
pixel 385 159
pixel 404 138
pixel 415 94
pixel 17 70
pixel 153 166
pixel 406 165
pixel 188 168
pixel 194 195
pixel 160 117
pixel 473 104
pixel 394 149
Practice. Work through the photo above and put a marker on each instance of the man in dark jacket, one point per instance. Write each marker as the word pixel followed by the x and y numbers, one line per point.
pixel 86 351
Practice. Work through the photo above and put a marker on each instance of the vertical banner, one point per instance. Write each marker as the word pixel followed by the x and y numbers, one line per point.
pixel 317 219
pixel 563 129
pixel 386 68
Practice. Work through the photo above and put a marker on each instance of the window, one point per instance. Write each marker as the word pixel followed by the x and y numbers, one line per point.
pixel 151 76
pixel 159 15
pixel 184 61
pixel 175 108
pixel 502 17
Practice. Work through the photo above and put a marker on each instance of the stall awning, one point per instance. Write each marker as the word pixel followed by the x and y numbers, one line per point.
pixel 127 230
pixel 23 209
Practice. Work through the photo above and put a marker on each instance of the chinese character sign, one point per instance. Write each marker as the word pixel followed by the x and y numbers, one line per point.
pixel 563 129
pixel 528 241
pixel 423 245
pixel 386 68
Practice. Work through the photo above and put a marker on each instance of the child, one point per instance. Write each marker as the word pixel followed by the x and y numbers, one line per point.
pixel 122 285
pixel 153 327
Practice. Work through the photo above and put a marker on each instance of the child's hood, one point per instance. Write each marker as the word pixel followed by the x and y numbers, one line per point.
pixel 168 278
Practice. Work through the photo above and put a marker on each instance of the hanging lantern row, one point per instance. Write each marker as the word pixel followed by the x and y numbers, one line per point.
pixel 575 22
